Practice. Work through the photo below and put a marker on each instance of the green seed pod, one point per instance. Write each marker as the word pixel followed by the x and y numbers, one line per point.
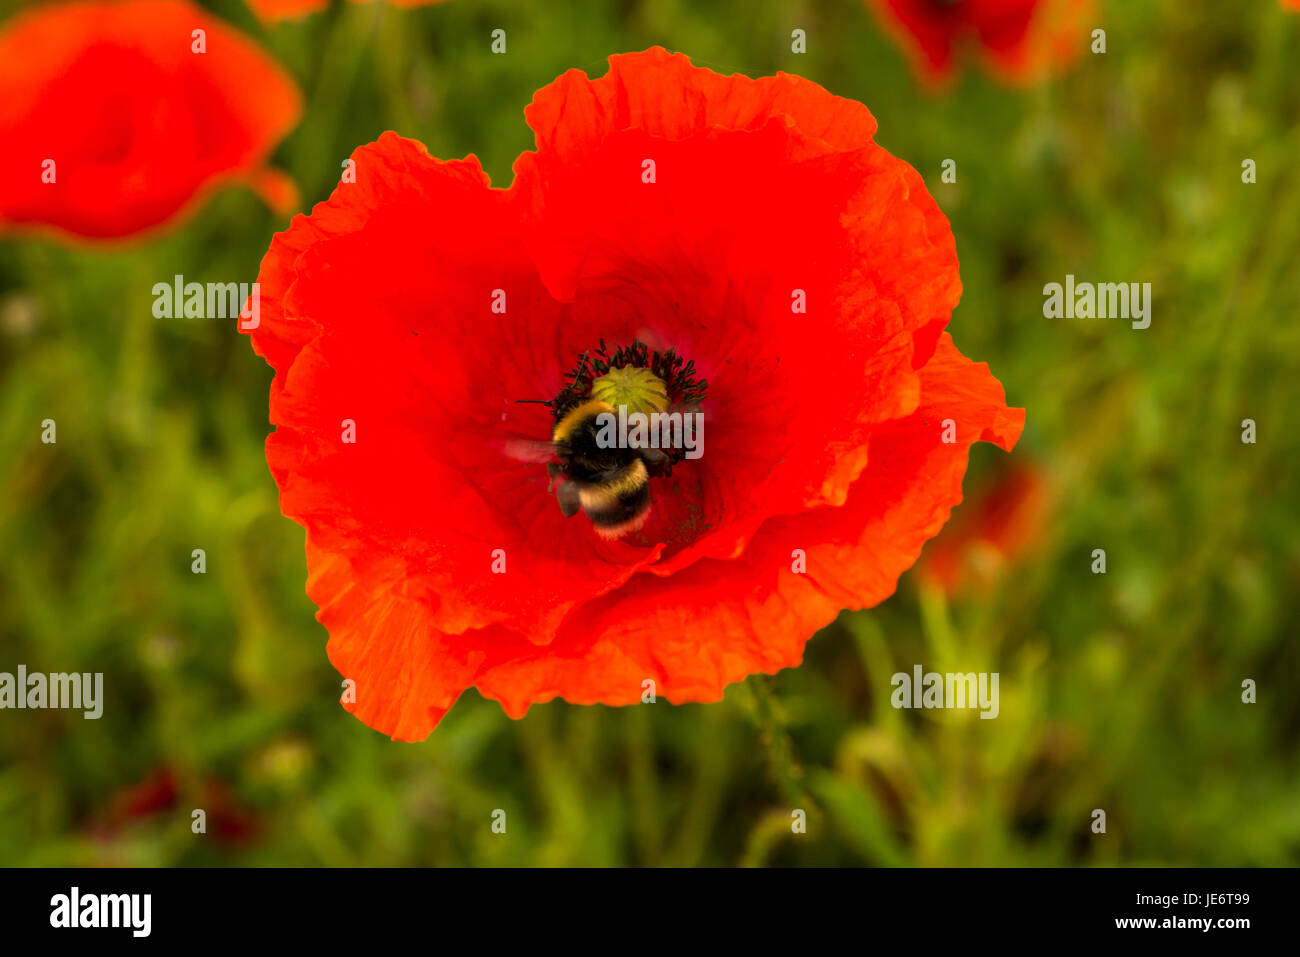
pixel 637 388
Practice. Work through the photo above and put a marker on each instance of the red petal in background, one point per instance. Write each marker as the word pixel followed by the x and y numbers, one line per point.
pixel 136 124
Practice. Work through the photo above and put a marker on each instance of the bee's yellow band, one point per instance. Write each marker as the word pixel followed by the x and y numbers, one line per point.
pixel 628 480
pixel 565 427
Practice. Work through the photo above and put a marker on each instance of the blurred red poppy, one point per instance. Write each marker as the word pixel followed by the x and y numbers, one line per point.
pixel 750 229
pixel 115 117
pixel 271 10
pixel 155 793
pixel 1019 40
pixel 226 818
pixel 990 532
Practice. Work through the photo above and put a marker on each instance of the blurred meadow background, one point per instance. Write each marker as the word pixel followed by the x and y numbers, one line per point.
pixel 1119 691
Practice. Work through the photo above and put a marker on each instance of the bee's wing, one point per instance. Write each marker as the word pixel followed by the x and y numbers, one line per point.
pixel 528 450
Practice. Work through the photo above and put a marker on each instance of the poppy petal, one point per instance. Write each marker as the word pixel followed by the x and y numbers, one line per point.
pixel 395 275
pixel 114 120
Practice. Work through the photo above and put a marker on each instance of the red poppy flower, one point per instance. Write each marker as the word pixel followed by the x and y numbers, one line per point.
pixel 155 793
pixel 743 243
pixel 271 10
pixel 996 528
pixel 1020 40
pixel 228 820
pixel 112 123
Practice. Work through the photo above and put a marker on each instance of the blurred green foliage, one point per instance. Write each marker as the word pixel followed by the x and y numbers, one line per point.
pixel 1119 691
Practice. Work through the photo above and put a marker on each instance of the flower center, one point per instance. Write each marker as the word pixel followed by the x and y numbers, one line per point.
pixel 644 381
pixel 637 389
pixel 604 468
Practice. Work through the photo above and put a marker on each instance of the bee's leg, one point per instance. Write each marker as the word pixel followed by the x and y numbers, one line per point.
pixel 657 462
pixel 554 470
pixel 569 500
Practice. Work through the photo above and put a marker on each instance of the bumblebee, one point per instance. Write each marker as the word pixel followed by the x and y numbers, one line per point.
pixel 610 485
